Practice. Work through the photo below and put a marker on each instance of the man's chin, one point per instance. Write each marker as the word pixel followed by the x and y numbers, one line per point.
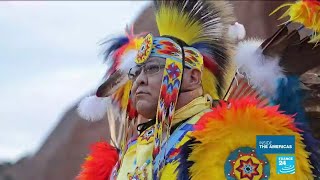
pixel 143 108
pixel 142 105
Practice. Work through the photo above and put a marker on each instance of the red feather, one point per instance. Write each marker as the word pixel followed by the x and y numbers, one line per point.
pixel 132 112
pixel 241 105
pixel 99 164
pixel 211 65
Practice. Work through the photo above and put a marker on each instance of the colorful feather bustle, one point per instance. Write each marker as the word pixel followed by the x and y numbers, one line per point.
pixel 236 124
pixel 100 162
pixel 305 12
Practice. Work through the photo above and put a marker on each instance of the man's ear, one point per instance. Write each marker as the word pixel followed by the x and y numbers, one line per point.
pixel 191 80
pixel 196 77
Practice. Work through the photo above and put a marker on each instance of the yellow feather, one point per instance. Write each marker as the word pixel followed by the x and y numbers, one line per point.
pixel 280 7
pixel 125 96
pixel 306 13
pixel 209 82
pixel 173 23
pixel 238 127
pixel 315 39
pixel 89 158
pixel 169 172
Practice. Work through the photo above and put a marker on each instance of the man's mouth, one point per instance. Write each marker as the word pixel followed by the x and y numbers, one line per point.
pixel 141 93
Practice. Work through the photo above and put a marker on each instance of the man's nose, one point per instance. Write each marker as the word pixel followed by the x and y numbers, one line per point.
pixel 141 78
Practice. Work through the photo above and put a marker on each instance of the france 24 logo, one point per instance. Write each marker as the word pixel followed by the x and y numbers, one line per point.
pixel 286 165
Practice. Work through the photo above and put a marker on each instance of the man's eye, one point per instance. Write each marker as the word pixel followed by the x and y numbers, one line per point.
pixel 134 72
pixel 137 72
pixel 152 68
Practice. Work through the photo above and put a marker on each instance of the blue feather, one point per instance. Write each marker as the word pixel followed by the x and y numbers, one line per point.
pixel 313 146
pixel 290 98
pixel 185 164
pixel 115 43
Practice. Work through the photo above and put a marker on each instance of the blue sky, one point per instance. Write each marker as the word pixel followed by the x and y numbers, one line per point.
pixel 49 58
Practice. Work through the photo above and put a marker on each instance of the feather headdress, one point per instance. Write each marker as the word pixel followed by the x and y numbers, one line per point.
pixel 203 25
pixel 305 12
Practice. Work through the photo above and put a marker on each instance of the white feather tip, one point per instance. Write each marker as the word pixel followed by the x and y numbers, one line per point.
pixel 93 108
pixel 127 60
pixel 262 71
pixel 237 31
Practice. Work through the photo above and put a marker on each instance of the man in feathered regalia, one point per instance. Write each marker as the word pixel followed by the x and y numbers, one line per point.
pixel 193 100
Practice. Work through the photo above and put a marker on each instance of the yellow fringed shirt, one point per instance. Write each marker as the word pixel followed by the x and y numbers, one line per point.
pixel 137 161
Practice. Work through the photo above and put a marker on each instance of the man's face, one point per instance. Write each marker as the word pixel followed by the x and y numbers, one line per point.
pixel 146 87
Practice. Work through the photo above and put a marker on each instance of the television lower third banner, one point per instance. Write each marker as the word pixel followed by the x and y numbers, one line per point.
pixel 283 146
pixel 275 144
